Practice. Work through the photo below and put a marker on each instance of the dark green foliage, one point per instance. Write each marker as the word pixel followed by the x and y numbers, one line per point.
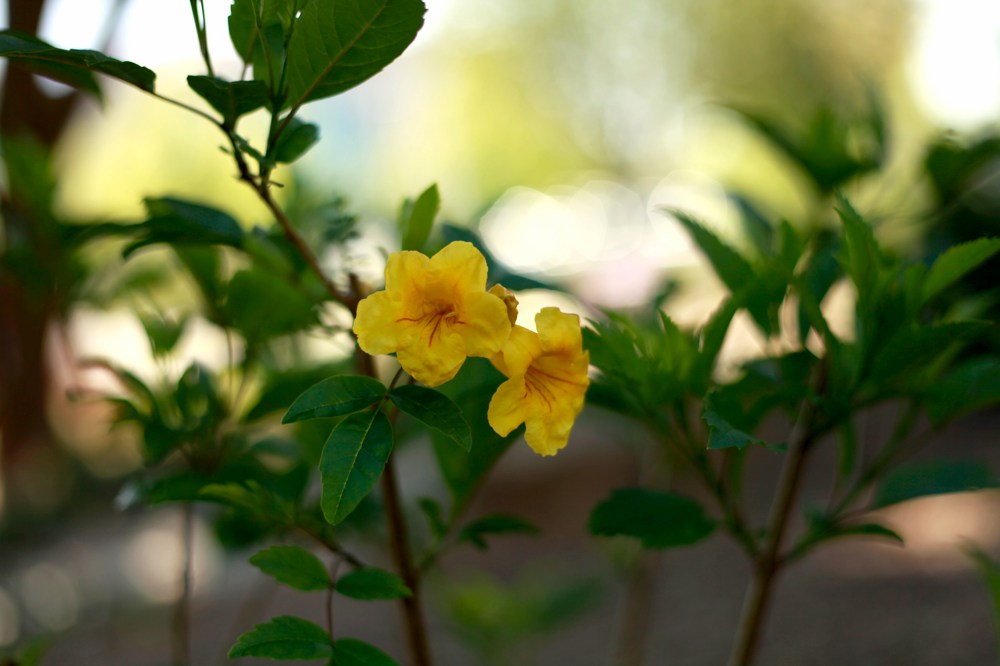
pixel 295 141
pixel 370 583
pixel 336 396
pixel 435 410
pixel 284 637
pixel 178 223
pixel 352 462
pixel 232 99
pixel 477 531
pixel 933 478
pixel 293 566
pixel 73 67
pixel 352 652
pixel 659 520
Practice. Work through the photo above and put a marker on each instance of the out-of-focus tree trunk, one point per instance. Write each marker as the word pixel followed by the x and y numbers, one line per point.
pixel 25 312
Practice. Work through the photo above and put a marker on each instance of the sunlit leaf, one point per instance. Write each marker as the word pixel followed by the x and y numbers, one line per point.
pixel 417 218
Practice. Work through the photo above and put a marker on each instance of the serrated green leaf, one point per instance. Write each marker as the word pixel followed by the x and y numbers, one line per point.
pixel 957 261
pixel 352 652
pixel 417 218
pixel 722 434
pixel 435 410
pixel 293 566
pixel 284 637
pixel 933 478
pixel 72 67
pixel 732 268
pixel 476 531
pixel 658 519
pixel 231 99
pixel 352 462
pixel 295 141
pixel 335 396
pixel 339 44
pixel 370 583
pixel 919 346
pixel 971 386
pixel 862 256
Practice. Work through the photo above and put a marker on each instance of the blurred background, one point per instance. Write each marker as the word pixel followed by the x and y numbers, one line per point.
pixel 559 129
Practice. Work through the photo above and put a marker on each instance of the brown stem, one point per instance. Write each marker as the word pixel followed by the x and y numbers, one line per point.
pixel 181 645
pixel 637 613
pixel 413 615
pixel 769 562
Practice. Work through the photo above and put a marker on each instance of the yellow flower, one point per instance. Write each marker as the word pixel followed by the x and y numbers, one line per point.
pixel 433 313
pixel 547 374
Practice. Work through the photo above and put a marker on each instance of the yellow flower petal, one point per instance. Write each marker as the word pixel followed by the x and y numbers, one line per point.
pixel 462 264
pixel 507 408
pixel 483 325
pixel 403 269
pixel 547 436
pixel 509 300
pixel 435 357
pixel 375 324
pixel 559 331
pixel 522 347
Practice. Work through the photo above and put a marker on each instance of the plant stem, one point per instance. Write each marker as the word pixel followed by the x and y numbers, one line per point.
pixel 637 614
pixel 413 615
pixel 769 562
pixel 181 645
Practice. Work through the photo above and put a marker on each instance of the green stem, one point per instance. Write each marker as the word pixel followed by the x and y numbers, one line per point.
pixel 199 24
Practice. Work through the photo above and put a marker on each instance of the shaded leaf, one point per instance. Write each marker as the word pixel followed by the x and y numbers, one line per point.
pixel 435 410
pixel 370 583
pixel 352 652
pixel 955 262
pixel 284 637
pixel 72 67
pixel 657 519
pixel 295 141
pixel 335 396
pixel 232 99
pixel 293 566
pixel 932 478
pixel 971 386
pixel 352 462
pixel 476 531
pixel 721 433
pixel 732 268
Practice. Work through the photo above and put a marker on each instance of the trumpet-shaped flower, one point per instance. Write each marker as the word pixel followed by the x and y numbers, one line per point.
pixel 547 380
pixel 434 312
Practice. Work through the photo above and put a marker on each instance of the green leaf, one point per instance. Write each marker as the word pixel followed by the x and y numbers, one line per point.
pixel 295 141
pixel 352 652
pixel 339 44
pixel 475 531
pixel 181 222
pixel 955 262
pixel 932 478
pixel 243 28
pixel 862 256
pixel 435 410
pixel 263 306
pixel 417 218
pixel 293 566
pixel 335 396
pixel 990 571
pixel 73 67
pixel 733 269
pixel 721 433
pixel 163 332
pixel 371 583
pixel 232 99
pixel 352 462
pixel 918 347
pixel 284 637
pixel 971 386
pixel 868 529
pixel 657 519
pixel 435 516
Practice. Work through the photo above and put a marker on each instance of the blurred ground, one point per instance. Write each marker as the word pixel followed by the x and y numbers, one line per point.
pixel 857 602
